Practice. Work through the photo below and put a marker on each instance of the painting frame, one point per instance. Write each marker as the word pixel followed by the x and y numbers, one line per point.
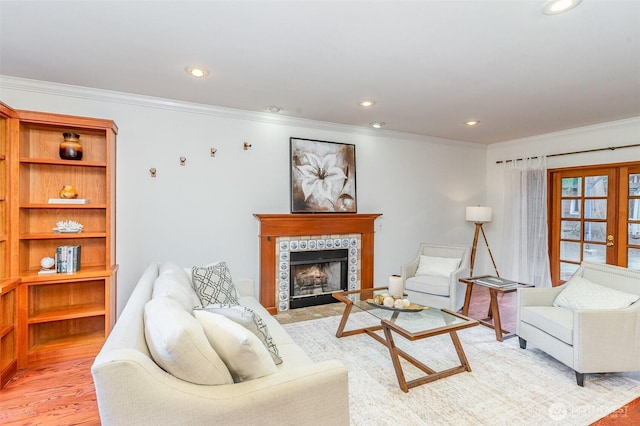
pixel 322 176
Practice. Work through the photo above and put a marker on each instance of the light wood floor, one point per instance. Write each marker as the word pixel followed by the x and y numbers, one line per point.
pixel 63 394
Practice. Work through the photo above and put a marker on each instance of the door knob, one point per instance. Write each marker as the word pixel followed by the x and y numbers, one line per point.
pixel 609 240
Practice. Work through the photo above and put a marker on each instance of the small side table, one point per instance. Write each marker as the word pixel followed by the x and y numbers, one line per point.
pixel 494 309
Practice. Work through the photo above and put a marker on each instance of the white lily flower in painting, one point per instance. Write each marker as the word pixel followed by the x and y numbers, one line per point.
pixel 319 176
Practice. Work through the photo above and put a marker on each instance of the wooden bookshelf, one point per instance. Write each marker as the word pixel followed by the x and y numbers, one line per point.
pixel 60 316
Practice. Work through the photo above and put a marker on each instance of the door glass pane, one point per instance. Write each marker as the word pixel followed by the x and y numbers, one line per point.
pixel 572 187
pixel 634 209
pixel 570 208
pixel 634 184
pixel 595 253
pixel 571 230
pixel 595 209
pixel 596 186
pixel 595 231
pixel 633 258
pixel 634 234
pixel 567 270
pixel 570 251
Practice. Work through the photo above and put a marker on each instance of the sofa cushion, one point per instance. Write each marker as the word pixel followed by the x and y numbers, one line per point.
pixel 213 284
pixel 553 320
pixel 166 285
pixel 178 344
pixel 241 350
pixel 174 270
pixel 251 321
pixel 431 284
pixel 581 293
pixel 438 266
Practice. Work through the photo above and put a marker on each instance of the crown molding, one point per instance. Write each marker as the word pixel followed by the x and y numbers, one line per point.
pixel 102 95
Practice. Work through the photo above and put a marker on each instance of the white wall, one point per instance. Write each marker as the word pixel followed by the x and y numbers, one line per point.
pixel 619 133
pixel 204 211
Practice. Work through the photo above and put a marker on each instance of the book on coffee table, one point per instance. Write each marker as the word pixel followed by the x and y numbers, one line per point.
pixel 495 281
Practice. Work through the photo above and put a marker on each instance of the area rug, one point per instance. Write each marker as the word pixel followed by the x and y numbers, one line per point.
pixel 507 385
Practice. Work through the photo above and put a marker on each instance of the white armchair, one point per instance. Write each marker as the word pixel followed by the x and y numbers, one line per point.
pixel 595 340
pixel 432 278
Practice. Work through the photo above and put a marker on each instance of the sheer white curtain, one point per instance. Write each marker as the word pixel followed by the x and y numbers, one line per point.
pixel 524 239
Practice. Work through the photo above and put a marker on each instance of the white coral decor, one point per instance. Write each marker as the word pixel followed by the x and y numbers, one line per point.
pixel 68 226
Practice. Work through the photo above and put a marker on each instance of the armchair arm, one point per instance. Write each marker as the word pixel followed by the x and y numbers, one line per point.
pixel 607 339
pixel 409 270
pixel 537 296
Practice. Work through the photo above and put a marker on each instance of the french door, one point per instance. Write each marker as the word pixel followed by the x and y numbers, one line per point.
pixel 594 215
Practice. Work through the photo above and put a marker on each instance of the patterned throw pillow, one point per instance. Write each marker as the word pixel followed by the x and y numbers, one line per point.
pixel 213 284
pixel 251 321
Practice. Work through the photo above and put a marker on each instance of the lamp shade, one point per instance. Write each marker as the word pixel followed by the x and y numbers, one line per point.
pixel 479 214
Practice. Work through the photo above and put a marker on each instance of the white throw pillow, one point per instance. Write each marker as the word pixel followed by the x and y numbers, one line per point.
pixel 167 285
pixel 242 352
pixel 173 269
pixel 179 345
pixel 438 266
pixel 251 321
pixel 213 284
pixel 581 293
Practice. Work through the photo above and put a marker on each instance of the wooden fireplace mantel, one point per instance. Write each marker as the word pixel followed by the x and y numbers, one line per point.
pixel 285 225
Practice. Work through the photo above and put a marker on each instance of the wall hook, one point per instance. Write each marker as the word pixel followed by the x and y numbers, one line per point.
pixel 213 152
pixel 152 171
pixel 183 160
pixel 247 145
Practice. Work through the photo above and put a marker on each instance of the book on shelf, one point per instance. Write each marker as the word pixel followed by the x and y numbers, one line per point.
pixel 69 201
pixel 495 281
pixel 68 259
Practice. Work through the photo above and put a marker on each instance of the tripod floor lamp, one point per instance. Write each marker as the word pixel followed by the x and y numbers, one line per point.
pixel 479 215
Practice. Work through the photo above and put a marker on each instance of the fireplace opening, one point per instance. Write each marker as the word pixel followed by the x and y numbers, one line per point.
pixel 315 275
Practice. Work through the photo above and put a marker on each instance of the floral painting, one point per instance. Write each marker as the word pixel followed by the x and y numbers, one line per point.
pixel 323 176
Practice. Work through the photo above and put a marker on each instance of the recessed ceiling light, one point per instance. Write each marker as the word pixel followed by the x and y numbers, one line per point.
pixel 366 103
pixel 377 124
pixel 472 123
pixel 274 109
pixel 553 7
pixel 197 72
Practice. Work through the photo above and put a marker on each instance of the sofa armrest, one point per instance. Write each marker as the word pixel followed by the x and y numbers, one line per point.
pixel 302 394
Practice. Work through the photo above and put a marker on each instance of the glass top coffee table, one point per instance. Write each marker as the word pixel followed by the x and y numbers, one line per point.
pixel 416 323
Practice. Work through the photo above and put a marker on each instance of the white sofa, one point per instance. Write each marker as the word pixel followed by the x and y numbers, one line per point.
pixel 132 389
pixel 590 328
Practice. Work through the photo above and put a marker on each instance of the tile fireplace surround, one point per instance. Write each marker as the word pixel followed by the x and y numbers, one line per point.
pixel 278 230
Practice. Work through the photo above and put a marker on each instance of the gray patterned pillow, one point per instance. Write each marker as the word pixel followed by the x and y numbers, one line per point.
pixel 251 321
pixel 213 284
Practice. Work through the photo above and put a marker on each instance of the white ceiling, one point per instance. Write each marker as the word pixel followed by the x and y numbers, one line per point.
pixel 429 65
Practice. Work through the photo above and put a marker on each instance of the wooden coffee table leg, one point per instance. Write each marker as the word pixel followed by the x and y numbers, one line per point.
pixel 459 350
pixel 393 352
pixel 345 317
